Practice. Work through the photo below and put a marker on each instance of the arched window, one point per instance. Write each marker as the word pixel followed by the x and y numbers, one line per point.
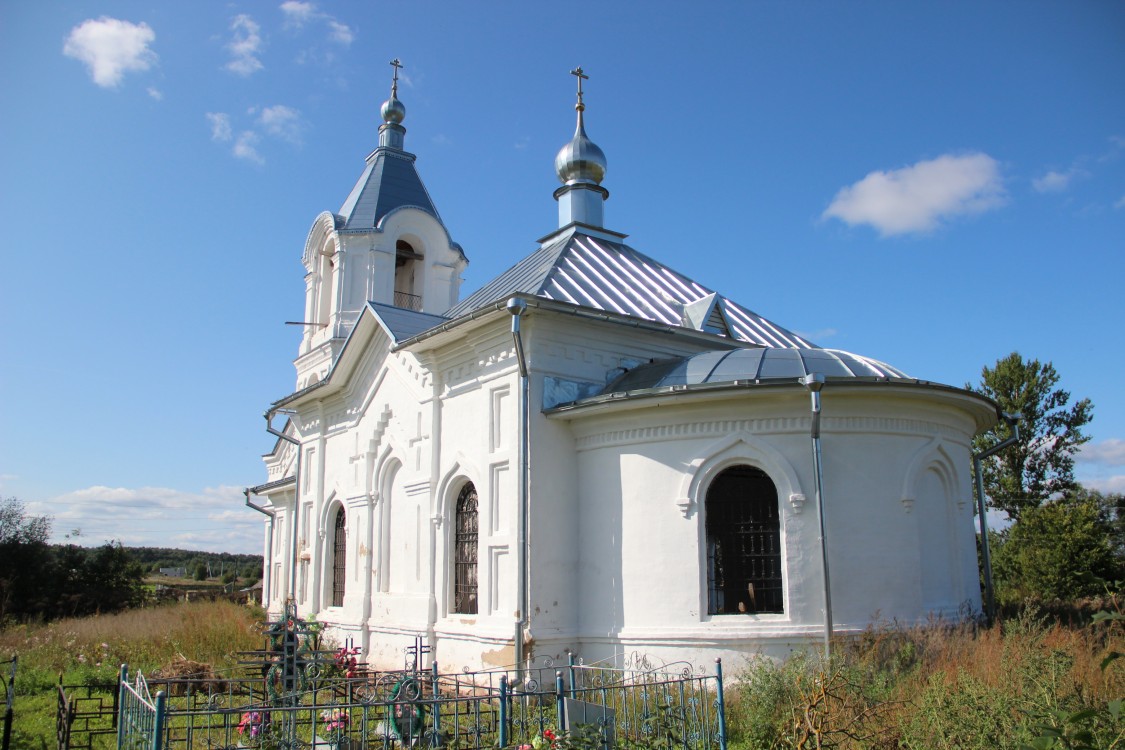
pixel 407 286
pixel 465 553
pixel 339 559
pixel 743 544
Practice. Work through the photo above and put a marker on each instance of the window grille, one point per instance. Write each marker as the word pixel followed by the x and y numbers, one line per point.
pixel 743 527
pixel 465 553
pixel 339 559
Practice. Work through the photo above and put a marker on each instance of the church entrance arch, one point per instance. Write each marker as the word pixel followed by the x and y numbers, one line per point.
pixel 742 522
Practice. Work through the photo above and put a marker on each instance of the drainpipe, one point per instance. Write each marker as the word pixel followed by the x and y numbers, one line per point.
pixel 292 595
pixel 267 574
pixel 517 307
pixel 986 556
pixel 814 381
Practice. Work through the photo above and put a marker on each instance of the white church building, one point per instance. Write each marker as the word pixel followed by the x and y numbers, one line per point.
pixel 591 452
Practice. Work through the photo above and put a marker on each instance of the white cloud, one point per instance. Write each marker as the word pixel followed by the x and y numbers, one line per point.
pixel 220 126
pixel 441 139
pixel 1052 182
pixel 1110 452
pixel 1056 182
pixel 245 45
pixel 296 13
pixel 340 33
pixel 299 14
pixel 1114 485
pixel 823 333
pixel 110 48
pixel 155 93
pixel 214 519
pixel 282 122
pixel 1120 204
pixel 918 197
pixel 246 147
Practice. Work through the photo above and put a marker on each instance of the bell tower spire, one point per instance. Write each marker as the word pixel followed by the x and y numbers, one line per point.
pixel 581 167
pixel 391 132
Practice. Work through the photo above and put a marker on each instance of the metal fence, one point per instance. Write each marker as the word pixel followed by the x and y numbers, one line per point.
pixel 9 713
pixel 508 707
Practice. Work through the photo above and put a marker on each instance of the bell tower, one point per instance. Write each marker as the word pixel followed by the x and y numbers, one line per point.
pixel 386 245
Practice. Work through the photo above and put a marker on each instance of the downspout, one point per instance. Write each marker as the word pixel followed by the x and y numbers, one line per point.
pixel 814 381
pixel 435 469
pixel 292 593
pixel 986 556
pixel 267 573
pixel 517 307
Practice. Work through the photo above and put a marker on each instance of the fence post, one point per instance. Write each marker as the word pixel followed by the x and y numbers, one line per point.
pixel 158 722
pixel 721 704
pixel 435 735
pixel 8 712
pixel 122 681
pixel 560 701
pixel 573 682
pixel 503 711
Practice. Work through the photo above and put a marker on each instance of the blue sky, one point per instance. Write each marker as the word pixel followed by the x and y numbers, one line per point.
pixel 931 184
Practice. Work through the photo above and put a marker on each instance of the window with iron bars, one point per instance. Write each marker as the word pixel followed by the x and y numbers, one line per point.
pixel 339 559
pixel 743 526
pixel 465 553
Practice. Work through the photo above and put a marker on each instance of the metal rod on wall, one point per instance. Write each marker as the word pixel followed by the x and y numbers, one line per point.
pixel 814 382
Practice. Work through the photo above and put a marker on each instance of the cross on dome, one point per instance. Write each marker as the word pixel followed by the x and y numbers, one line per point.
pixel 393 110
pixel 580 75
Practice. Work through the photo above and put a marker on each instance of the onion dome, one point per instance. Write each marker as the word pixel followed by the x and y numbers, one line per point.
pixel 580 160
pixel 393 111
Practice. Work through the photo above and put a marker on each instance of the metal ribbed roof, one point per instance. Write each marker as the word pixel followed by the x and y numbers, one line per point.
pixel 597 273
pixel 390 181
pixel 748 365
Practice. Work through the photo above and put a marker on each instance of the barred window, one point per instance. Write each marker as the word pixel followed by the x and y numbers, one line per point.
pixel 465 553
pixel 339 559
pixel 743 526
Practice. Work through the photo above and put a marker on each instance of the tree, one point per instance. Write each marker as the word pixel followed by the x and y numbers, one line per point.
pixel 1063 549
pixel 1041 463
pixel 24 555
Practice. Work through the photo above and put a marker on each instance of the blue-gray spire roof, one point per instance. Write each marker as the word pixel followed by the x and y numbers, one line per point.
pixel 390 181
pixel 598 273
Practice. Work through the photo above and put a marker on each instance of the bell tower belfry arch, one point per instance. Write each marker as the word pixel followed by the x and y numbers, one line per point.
pixel 387 244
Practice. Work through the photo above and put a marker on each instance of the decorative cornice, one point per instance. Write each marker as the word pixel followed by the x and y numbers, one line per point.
pixel 768 426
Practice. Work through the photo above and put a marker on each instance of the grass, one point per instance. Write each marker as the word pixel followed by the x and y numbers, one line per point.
pixel 1031 682
pixel 90 650
pixel 1034 681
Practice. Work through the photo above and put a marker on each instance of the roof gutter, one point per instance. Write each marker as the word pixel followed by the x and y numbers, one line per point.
pixel 269 415
pixel 268 562
pixel 563 308
pixel 744 385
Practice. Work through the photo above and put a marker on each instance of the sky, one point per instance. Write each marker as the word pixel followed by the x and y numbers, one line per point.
pixel 934 185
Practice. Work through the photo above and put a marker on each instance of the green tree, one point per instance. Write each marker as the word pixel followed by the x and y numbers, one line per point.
pixel 24 556
pixel 1041 463
pixel 201 572
pixel 1063 549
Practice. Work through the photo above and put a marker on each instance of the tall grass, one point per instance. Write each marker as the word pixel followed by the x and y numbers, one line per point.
pixel 94 647
pixel 1030 682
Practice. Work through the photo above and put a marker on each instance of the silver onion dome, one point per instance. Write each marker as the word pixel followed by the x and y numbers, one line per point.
pixel 393 110
pixel 580 160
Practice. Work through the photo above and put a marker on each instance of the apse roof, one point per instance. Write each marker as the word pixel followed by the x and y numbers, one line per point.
pixel 390 181
pixel 599 273
pixel 752 365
